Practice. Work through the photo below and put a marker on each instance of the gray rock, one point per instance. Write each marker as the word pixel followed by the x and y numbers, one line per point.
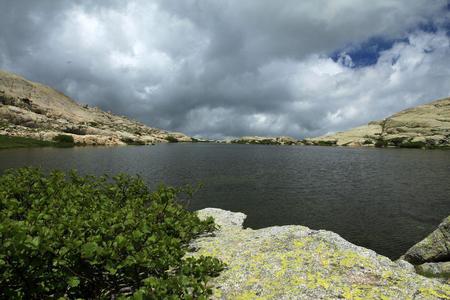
pixel 295 262
pixel 434 248
pixel 440 269
pixel 405 265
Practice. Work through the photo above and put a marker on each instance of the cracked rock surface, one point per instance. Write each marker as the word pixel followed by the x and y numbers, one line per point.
pixel 295 262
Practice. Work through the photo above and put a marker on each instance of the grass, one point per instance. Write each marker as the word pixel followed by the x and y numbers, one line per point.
pixel 8 142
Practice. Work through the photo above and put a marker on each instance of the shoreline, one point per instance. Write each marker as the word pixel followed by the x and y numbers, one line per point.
pixel 20 142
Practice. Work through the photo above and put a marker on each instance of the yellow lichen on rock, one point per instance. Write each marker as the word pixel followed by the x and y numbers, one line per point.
pixel 295 262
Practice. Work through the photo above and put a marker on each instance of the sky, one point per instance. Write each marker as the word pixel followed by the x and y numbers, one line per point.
pixel 224 68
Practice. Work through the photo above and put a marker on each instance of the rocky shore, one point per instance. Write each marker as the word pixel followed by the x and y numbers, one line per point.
pixel 295 262
pixel 424 126
pixel 266 140
pixel 32 110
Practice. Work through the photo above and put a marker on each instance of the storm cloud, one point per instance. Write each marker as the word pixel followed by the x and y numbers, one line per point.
pixel 231 68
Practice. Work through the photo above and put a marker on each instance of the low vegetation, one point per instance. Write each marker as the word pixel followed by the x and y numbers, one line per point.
pixel 64 139
pixel 401 143
pixel 129 141
pixel 326 143
pixel 261 142
pixel 7 142
pixel 171 139
pixel 380 143
pixel 71 236
pixel 415 145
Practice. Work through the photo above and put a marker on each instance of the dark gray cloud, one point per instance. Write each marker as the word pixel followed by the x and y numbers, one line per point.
pixel 231 68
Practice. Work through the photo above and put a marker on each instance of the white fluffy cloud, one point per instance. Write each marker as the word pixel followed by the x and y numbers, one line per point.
pixel 228 68
pixel 339 97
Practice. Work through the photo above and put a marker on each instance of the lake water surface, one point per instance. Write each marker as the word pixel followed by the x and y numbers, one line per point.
pixel 382 199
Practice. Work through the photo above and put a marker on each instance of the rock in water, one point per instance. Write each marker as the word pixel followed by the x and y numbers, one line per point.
pixel 431 256
pixel 295 262
pixel 33 110
pixel 434 248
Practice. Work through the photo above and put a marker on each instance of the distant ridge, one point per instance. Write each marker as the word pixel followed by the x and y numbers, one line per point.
pixel 34 110
pixel 423 126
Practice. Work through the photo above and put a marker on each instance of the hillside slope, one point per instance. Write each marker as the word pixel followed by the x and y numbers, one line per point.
pixel 423 126
pixel 31 109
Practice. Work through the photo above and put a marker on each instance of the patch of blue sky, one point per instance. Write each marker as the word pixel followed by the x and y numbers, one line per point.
pixel 366 53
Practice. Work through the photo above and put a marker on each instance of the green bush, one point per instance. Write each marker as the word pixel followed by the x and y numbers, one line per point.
pixel 129 141
pixel 380 143
pixel 268 142
pixel 64 235
pixel 64 139
pixel 414 145
pixel 171 139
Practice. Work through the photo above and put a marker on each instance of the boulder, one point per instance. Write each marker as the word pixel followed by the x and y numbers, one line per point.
pixel 295 262
pixel 440 269
pixel 434 248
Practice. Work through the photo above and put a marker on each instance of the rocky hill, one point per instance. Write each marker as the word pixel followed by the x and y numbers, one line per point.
pixel 424 126
pixel 33 110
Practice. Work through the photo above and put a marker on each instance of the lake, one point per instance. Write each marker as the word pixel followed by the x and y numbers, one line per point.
pixel 382 199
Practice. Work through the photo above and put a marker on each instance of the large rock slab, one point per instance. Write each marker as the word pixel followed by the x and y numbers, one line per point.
pixel 295 262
